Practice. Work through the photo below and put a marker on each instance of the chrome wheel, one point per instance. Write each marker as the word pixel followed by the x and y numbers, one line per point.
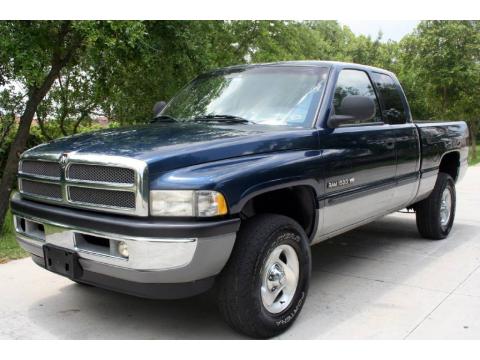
pixel 445 207
pixel 279 279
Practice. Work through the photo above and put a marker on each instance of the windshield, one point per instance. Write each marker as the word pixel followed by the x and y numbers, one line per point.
pixel 267 95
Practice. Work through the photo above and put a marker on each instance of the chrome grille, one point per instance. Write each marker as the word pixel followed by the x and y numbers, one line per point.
pixel 51 191
pixel 105 183
pixel 101 197
pixel 41 168
pixel 100 173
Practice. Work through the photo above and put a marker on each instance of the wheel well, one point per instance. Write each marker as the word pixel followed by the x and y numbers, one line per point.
pixel 450 164
pixel 298 203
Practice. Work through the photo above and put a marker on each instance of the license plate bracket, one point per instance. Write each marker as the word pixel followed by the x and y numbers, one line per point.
pixel 62 261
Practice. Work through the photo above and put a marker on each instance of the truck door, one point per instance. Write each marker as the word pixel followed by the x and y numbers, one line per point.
pixel 359 161
pixel 396 113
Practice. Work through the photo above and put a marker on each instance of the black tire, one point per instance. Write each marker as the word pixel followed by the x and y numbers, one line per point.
pixel 428 210
pixel 239 294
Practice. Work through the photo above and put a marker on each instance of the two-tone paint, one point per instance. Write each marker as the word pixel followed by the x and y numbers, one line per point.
pixel 383 163
pixel 356 173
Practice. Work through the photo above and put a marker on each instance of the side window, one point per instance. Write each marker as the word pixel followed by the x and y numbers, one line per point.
pixel 355 82
pixel 394 111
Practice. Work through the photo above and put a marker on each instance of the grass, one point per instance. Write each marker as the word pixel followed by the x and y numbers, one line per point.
pixel 470 160
pixel 9 248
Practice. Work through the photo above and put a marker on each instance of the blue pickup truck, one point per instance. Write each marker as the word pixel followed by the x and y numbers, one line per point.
pixel 232 182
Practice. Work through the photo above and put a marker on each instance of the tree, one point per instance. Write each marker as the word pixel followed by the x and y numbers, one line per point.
pixel 34 53
pixel 172 53
pixel 72 100
pixel 443 59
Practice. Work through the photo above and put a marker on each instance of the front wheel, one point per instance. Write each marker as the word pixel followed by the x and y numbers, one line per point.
pixel 264 285
pixel 436 213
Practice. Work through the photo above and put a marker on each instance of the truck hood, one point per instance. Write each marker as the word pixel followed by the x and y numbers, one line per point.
pixel 167 146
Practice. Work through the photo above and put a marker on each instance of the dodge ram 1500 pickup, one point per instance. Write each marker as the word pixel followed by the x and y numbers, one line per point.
pixel 232 182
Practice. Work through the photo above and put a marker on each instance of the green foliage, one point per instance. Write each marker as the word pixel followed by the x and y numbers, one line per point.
pixel 172 53
pixel 87 53
pixel 473 160
pixel 444 58
pixel 9 248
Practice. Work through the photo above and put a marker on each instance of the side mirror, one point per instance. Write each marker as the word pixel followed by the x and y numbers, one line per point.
pixel 353 108
pixel 159 105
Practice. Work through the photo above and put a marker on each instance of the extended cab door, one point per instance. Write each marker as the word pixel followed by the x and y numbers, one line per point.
pixel 359 161
pixel 396 113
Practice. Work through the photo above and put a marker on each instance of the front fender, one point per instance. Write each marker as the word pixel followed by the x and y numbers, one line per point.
pixel 242 178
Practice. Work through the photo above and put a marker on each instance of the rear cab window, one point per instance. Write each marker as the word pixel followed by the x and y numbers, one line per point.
pixel 391 99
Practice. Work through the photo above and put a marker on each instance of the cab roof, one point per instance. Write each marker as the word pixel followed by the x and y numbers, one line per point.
pixel 318 63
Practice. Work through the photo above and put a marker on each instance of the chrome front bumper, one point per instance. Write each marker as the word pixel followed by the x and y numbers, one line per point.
pixel 154 260
pixel 144 254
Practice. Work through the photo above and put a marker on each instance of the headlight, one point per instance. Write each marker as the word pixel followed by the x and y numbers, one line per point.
pixel 187 203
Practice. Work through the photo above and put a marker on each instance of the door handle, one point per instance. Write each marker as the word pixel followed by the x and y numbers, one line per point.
pixel 390 144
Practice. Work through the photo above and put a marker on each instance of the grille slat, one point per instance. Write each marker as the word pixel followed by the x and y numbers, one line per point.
pixel 100 173
pixel 41 168
pixel 52 191
pixel 101 197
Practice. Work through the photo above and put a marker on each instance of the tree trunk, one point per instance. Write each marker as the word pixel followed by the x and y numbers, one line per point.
pixel 41 123
pixel 83 115
pixel 36 94
pixel 19 143
pixel 6 129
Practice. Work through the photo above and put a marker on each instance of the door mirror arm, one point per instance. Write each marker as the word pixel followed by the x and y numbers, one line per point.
pixel 337 120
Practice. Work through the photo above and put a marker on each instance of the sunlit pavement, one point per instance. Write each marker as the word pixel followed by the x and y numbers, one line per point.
pixel 379 281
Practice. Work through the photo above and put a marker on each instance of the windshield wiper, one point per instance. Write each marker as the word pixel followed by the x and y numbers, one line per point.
pixel 224 118
pixel 163 118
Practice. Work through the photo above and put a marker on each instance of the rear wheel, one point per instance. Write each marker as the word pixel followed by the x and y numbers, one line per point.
pixel 264 285
pixel 435 214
